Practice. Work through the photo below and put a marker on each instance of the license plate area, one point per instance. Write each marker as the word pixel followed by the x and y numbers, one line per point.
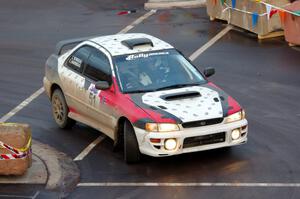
pixel 204 140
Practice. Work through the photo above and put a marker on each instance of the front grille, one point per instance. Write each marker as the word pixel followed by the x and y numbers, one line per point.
pixel 202 123
pixel 204 140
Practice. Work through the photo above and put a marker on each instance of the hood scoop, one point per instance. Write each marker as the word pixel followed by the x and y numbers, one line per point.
pixel 180 95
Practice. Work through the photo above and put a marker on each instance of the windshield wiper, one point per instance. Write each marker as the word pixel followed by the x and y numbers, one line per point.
pixel 139 91
pixel 164 88
pixel 177 86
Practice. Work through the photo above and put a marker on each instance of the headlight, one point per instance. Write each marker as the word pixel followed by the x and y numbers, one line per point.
pixel 163 127
pixel 235 117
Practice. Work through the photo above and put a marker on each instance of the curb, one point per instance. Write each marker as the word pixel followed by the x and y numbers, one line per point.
pixel 36 174
pixel 50 168
pixel 174 4
pixel 63 173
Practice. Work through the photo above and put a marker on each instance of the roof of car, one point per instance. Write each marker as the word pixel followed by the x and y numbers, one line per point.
pixel 113 43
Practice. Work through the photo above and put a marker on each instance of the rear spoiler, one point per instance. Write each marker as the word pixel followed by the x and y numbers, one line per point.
pixel 62 44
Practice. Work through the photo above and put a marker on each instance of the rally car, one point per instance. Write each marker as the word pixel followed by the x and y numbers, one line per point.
pixel 142 93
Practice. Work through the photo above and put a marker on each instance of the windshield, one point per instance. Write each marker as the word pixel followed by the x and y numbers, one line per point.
pixel 151 71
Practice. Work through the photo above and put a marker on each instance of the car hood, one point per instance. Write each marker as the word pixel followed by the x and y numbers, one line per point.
pixel 186 104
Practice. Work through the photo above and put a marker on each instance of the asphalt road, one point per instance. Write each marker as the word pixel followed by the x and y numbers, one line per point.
pixel 262 76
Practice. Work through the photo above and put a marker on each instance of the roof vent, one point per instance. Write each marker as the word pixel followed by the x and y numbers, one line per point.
pixel 131 43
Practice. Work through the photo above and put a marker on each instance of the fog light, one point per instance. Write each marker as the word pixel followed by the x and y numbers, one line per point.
pixel 170 144
pixel 235 134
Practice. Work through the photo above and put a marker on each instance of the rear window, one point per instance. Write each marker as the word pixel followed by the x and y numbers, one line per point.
pixel 78 59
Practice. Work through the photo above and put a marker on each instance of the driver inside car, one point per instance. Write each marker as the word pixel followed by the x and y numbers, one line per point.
pixel 151 72
pixel 156 71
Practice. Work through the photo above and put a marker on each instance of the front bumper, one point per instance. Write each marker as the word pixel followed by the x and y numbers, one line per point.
pixel 158 150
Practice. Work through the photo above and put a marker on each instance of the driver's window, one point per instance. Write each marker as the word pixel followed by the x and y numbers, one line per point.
pixel 98 67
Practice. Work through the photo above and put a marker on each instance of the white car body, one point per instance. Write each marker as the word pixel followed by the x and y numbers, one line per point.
pixel 105 110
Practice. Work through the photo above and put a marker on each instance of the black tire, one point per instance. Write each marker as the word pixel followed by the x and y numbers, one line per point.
pixel 60 110
pixel 131 148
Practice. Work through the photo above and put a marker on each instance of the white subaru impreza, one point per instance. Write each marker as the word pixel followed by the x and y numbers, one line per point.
pixel 142 93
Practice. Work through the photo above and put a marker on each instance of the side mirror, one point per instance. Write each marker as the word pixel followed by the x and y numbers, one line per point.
pixel 102 85
pixel 209 71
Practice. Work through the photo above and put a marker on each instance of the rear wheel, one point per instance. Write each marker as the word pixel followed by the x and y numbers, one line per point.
pixel 60 110
pixel 131 148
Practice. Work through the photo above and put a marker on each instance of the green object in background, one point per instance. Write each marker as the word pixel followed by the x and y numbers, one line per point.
pixel 222 1
pixel 297 13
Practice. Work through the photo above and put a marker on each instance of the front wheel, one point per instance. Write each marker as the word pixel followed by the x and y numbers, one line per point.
pixel 131 148
pixel 60 110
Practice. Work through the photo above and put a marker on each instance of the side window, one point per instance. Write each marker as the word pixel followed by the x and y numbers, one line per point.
pixel 98 67
pixel 79 58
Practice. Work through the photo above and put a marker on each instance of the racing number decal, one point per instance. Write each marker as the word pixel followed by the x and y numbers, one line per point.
pixel 92 99
pixel 93 93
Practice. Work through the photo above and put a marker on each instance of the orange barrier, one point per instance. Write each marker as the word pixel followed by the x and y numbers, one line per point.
pixel 292 24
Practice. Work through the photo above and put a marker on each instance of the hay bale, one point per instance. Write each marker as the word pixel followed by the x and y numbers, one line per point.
pixel 17 136
pixel 242 19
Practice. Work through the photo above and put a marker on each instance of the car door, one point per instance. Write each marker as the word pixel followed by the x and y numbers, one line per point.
pixel 98 102
pixel 73 80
